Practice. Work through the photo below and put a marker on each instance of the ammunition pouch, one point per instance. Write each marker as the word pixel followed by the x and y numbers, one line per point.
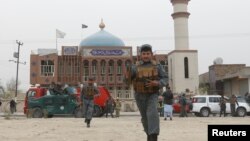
pixel 140 87
pixel 145 74
pixel 90 91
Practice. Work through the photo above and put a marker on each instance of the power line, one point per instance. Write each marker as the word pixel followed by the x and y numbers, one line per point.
pixel 226 35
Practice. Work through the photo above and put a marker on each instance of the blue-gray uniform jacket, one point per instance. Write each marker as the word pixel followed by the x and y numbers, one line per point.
pixel 147 102
pixel 89 91
pixel 87 96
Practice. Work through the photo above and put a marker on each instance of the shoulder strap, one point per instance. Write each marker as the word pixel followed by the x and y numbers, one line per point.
pixel 153 62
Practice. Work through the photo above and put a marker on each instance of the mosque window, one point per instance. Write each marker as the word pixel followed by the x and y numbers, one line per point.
pixel 47 68
pixel 126 95
pixel 111 67
pixel 119 70
pixel 128 63
pixel 77 68
pixel 60 67
pixel 119 78
pixel 186 71
pixel 111 70
pixel 103 66
pixel 68 68
pixel 111 78
pixel 119 94
pixel 85 70
pixel 119 67
pixel 111 88
pixel 94 67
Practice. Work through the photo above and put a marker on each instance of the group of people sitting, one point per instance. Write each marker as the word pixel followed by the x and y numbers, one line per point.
pixel 58 89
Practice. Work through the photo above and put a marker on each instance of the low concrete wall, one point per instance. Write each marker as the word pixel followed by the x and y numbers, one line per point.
pixel 5 107
pixel 128 105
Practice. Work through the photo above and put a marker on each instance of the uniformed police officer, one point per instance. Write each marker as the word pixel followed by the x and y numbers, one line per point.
pixel 87 96
pixel 147 78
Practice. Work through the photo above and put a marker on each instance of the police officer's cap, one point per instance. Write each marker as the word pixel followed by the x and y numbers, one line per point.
pixel 146 47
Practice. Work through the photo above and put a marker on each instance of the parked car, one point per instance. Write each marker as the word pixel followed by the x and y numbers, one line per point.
pixel 204 105
pixel 50 105
pixel 33 92
pixel 36 97
pixel 245 104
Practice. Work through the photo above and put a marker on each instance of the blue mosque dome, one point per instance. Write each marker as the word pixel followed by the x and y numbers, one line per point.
pixel 102 38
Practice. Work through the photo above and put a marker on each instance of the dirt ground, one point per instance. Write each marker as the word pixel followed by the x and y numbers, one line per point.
pixel 126 128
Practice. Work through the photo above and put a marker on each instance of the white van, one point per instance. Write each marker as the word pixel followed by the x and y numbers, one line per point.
pixel 204 105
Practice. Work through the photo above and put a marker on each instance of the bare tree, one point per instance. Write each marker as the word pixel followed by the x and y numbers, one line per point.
pixel 2 92
pixel 11 85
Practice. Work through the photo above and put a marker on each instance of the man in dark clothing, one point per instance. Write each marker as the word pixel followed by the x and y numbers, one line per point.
pixel 68 89
pixel 168 101
pixel 0 102
pixel 55 88
pixel 147 78
pixel 109 106
pixel 183 103
pixel 222 106
pixel 87 96
pixel 12 106
pixel 247 97
pixel 233 102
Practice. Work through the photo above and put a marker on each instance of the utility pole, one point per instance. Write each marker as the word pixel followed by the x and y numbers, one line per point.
pixel 17 56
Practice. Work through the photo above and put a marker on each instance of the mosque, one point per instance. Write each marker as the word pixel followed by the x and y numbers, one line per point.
pixel 105 56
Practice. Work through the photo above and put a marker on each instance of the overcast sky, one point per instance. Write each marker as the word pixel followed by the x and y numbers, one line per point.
pixel 217 28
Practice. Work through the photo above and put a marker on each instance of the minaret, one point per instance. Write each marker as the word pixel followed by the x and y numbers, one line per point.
pixel 180 16
pixel 182 61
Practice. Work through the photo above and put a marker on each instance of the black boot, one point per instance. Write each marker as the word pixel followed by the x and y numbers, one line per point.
pixel 88 123
pixel 153 137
